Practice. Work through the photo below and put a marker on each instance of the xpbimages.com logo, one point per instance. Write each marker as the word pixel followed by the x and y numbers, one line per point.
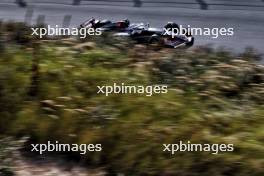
pixel 62 31
pixel 190 147
pixel 195 31
pixel 132 89
pixel 59 147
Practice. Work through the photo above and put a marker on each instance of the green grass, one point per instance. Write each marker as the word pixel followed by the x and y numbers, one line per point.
pixel 214 97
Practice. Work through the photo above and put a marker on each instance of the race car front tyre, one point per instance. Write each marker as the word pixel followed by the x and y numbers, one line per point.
pixel 155 43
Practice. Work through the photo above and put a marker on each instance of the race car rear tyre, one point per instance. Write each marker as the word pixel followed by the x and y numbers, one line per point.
pixel 189 44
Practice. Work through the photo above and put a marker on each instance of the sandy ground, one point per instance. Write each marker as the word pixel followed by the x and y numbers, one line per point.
pixel 46 167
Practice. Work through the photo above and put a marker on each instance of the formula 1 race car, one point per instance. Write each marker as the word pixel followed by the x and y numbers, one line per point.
pixel 143 33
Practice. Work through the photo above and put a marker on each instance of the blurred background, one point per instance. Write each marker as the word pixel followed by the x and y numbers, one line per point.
pixel 48 90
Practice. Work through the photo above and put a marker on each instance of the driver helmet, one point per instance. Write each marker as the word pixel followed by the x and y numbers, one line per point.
pixel 125 22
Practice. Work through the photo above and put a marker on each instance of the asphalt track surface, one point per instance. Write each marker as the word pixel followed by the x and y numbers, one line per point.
pixel 247 20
